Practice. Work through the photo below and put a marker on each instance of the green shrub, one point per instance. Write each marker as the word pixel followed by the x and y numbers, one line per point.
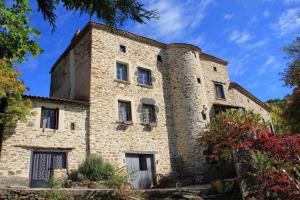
pixel 118 179
pixel 96 169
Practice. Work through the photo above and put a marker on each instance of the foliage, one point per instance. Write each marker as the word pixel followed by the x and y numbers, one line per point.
pixel 280 124
pixel 228 129
pixel 291 78
pixel 112 12
pixel 118 179
pixel 96 169
pixel 273 162
pixel 56 191
pixel 15 44
pixel 17 41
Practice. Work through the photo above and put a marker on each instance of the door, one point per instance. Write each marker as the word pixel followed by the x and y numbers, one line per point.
pixel 42 167
pixel 140 169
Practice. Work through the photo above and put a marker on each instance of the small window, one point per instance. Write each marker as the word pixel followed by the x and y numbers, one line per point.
pixel 144 77
pixel 215 69
pixel 199 80
pixel 148 113
pixel 49 118
pixel 72 126
pixel 124 111
pixel 122 72
pixel 143 163
pixel 203 116
pixel 122 49
pixel 159 58
pixel 194 53
pixel 219 91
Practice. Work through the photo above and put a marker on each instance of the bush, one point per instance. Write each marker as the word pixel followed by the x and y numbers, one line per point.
pixel 95 168
pixel 268 163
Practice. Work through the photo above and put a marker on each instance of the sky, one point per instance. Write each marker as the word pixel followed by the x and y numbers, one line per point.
pixel 249 34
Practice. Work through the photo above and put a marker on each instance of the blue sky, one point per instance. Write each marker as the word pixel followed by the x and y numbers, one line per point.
pixel 247 33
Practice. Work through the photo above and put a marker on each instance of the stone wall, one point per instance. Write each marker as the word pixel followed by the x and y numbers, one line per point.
pixel 183 85
pixel 107 137
pixel 188 99
pixel 70 78
pixel 21 140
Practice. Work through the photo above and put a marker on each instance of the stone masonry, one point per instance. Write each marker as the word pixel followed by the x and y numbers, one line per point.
pixel 183 89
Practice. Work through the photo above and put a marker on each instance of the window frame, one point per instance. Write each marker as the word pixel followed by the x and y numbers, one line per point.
pixel 43 109
pixel 223 96
pixel 152 115
pixel 118 64
pixel 139 69
pixel 128 110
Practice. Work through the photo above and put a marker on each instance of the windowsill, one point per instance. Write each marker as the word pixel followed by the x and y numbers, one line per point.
pixel 221 99
pixel 124 123
pixel 145 86
pixel 121 81
pixel 151 124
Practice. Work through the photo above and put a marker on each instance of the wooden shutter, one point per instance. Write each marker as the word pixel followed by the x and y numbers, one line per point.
pixel 56 118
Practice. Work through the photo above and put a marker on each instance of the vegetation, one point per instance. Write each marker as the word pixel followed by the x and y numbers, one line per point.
pixel 270 163
pixel 280 124
pixel 286 111
pixel 95 168
pixel 17 40
pixel 56 191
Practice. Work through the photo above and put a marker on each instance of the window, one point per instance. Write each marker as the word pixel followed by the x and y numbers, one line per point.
pixel 143 162
pixel 215 69
pixel 203 116
pixel 219 91
pixel 122 72
pixel 199 80
pixel 124 111
pixel 72 126
pixel 148 114
pixel 122 49
pixel 159 58
pixel 144 77
pixel 194 53
pixel 59 160
pixel 49 118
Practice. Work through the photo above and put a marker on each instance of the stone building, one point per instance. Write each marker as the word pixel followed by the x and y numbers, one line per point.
pixel 135 101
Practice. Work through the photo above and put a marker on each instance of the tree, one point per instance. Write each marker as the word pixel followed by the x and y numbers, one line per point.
pixel 112 12
pixel 291 78
pixel 17 40
pixel 278 108
pixel 268 165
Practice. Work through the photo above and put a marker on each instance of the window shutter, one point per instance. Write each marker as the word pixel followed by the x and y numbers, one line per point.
pixel 57 118
pixel 42 117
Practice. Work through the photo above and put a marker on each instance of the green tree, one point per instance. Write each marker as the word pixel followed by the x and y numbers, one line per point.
pixel 291 78
pixel 278 107
pixel 17 40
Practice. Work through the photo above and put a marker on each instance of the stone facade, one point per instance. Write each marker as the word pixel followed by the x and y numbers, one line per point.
pixel 182 92
pixel 20 141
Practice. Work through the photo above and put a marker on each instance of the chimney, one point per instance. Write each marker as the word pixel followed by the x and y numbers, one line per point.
pixel 76 33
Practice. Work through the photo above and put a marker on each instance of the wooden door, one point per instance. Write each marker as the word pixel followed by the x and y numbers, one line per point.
pixel 42 167
pixel 140 169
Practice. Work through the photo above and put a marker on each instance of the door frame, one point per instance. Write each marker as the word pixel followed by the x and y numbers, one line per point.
pixel 45 151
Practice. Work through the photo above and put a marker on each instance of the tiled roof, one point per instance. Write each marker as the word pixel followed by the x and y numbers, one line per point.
pixel 58 100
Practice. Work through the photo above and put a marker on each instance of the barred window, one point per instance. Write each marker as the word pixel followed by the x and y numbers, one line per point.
pixel 148 113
